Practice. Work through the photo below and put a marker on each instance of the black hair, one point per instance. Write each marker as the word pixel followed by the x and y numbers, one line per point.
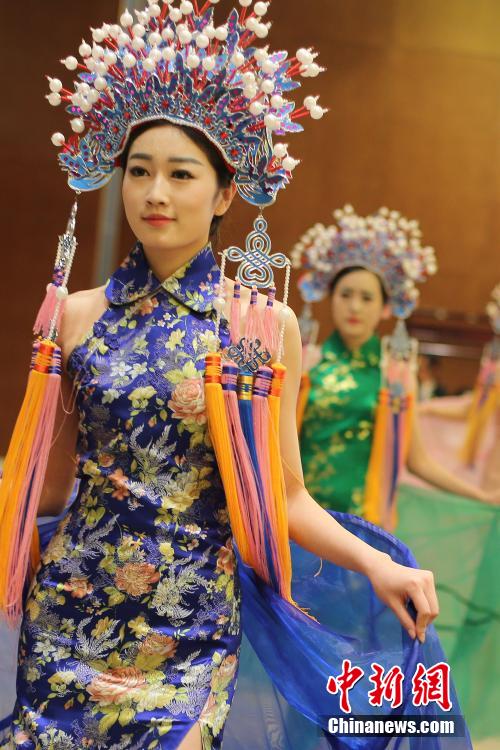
pixel 350 269
pixel 224 175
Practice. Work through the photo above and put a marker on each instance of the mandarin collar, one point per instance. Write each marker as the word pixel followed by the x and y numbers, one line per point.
pixel 369 352
pixel 193 284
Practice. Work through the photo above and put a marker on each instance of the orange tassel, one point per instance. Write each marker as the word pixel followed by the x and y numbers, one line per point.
pixel 219 434
pixel 278 481
pixel 24 469
pixel 302 399
pixel 374 477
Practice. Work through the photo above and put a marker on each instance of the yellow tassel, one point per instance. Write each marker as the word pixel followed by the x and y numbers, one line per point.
pixel 219 434
pixel 477 423
pixel 15 471
pixel 303 397
pixel 277 479
pixel 373 488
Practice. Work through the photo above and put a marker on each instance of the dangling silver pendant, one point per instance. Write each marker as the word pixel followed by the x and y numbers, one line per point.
pixel 256 262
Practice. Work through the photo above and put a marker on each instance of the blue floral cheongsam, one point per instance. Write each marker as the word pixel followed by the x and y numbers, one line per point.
pixel 131 631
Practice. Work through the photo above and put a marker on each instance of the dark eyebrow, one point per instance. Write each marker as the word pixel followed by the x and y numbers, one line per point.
pixel 172 160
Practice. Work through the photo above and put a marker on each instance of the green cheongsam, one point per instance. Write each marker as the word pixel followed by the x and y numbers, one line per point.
pixel 337 430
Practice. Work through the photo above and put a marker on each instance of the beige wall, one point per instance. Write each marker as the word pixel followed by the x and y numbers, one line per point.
pixel 414 92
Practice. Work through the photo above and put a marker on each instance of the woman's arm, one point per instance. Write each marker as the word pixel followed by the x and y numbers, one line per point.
pixel 82 309
pixel 316 530
pixel 439 407
pixel 421 463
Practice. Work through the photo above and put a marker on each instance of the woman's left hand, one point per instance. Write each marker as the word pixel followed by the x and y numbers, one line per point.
pixel 394 584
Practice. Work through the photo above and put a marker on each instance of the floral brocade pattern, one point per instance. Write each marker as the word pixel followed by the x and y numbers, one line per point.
pixel 337 430
pixel 132 626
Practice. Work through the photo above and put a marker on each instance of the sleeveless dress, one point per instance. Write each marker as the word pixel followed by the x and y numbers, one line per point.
pixel 131 631
pixel 337 430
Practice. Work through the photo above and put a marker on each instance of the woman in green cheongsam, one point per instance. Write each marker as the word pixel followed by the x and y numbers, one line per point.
pixel 457 538
pixel 364 287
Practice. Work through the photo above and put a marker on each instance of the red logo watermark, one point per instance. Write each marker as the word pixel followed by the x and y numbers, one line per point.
pixel 431 685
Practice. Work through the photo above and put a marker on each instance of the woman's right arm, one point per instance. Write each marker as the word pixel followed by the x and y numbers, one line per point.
pixel 82 309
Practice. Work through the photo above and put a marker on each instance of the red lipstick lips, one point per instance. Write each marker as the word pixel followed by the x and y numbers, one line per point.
pixel 157 220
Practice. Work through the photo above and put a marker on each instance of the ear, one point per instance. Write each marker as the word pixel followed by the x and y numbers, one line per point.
pixel 386 312
pixel 224 199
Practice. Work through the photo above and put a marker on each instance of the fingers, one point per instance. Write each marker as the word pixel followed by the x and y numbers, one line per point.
pixel 430 591
pixel 422 592
pixel 404 618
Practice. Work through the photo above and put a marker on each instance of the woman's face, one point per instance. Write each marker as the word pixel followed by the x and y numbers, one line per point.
pixel 170 191
pixel 358 305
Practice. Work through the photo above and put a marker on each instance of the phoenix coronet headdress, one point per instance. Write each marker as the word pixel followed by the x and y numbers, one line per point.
pixel 385 243
pixel 173 63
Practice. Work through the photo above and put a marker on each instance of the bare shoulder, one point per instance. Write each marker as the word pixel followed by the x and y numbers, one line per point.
pixel 82 310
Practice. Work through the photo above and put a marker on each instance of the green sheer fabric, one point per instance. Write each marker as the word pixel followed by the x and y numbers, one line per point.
pixel 337 429
pixel 460 541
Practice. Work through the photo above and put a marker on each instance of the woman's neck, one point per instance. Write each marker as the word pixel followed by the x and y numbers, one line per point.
pixel 354 343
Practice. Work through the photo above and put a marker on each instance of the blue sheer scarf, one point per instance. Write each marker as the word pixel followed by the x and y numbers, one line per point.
pixel 281 700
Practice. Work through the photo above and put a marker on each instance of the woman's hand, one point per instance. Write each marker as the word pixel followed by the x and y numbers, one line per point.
pixel 394 584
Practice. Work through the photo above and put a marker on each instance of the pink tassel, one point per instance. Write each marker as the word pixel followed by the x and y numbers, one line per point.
pixel 270 328
pixel 46 312
pixel 260 412
pixel 29 500
pixel 245 477
pixel 253 327
pixel 235 314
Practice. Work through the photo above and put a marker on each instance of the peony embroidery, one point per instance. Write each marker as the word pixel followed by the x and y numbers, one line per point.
pixel 116 685
pixel 188 401
pixel 136 579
